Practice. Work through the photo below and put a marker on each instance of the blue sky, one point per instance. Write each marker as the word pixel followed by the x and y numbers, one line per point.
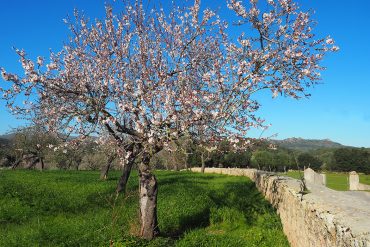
pixel 339 109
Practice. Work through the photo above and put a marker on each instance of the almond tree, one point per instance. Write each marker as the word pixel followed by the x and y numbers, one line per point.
pixel 30 143
pixel 154 76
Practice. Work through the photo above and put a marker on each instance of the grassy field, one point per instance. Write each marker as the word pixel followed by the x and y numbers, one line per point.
pixel 365 179
pixel 65 208
pixel 335 181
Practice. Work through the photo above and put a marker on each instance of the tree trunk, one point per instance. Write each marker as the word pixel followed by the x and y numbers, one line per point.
pixel 16 163
pixel 78 163
pixel 121 186
pixel 148 201
pixel 106 168
pixel 33 164
pixel 176 166
pixel 186 161
pixel 42 164
pixel 203 163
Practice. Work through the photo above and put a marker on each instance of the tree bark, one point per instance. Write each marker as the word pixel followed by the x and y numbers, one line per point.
pixel 203 163
pixel 42 164
pixel 176 166
pixel 148 201
pixel 106 168
pixel 16 163
pixel 122 183
pixel 186 161
pixel 78 162
pixel 33 164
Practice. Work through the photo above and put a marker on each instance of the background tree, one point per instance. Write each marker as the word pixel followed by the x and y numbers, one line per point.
pixel 281 160
pixel 263 159
pixel 352 159
pixel 326 156
pixel 154 76
pixel 235 159
pixel 30 145
pixel 6 158
pixel 308 160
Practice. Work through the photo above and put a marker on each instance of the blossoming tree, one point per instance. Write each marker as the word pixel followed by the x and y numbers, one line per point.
pixel 151 77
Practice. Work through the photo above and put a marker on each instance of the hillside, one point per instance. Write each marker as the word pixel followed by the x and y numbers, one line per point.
pixel 7 136
pixel 4 142
pixel 306 144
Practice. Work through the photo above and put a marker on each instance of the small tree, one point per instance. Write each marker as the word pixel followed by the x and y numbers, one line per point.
pixel 156 76
pixel 30 146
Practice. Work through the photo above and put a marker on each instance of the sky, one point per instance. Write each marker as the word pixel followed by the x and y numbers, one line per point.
pixel 339 108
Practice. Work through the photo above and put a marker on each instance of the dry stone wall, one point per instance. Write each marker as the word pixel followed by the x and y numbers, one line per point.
pixel 310 220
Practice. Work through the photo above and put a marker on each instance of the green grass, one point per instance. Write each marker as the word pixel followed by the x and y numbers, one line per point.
pixel 335 181
pixel 65 208
pixel 365 179
pixel 294 174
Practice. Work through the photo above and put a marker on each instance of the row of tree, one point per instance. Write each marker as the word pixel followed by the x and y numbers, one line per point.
pixel 33 148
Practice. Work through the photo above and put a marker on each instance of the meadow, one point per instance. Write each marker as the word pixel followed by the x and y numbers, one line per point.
pixel 334 180
pixel 75 208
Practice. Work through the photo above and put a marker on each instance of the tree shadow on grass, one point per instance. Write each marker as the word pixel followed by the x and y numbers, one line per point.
pixel 187 179
pixel 241 195
pixel 189 222
pixel 245 198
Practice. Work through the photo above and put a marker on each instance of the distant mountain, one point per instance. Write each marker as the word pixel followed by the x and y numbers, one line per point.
pixel 7 136
pixel 306 144
pixel 6 139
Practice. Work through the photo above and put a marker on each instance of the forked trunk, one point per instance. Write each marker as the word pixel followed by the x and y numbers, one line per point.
pixel 122 183
pixel 106 168
pixel 148 202
pixel 203 163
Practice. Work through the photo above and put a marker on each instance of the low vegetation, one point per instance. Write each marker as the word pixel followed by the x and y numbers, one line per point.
pixel 75 208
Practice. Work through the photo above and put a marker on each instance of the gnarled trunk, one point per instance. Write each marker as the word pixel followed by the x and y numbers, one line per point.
pixel 148 201
pixel 106 168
